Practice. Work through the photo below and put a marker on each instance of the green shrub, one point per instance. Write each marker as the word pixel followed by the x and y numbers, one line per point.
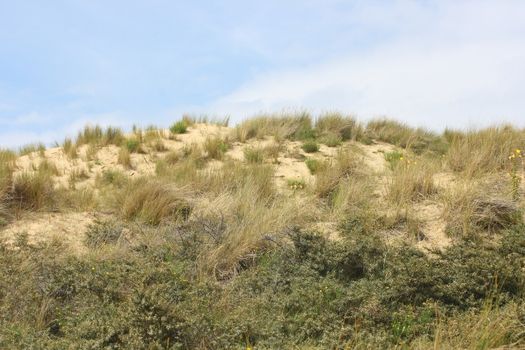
pixel 296 184
pixel 313 165
pixel 310 146
pixel 133 146
pixel 179 127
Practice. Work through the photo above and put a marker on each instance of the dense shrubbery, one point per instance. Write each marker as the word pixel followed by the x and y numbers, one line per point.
pixel 309 291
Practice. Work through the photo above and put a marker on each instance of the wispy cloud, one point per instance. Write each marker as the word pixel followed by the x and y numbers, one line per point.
pixel 464 66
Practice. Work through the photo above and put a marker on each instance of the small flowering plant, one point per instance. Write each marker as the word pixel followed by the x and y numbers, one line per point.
pixel 296 184
pixel 516 172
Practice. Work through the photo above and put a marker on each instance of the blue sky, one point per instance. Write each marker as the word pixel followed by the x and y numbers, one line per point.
pixel 430 63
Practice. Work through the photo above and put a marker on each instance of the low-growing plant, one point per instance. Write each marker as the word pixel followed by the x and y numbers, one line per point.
pixel 296 184
pixel 393 158
pixel 310 146
pixel 134 146
pixel 102 232
pixel 179 127
pixel 313 165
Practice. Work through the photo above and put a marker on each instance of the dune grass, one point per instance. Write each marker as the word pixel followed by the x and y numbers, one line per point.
pixel 152 201
pixel 209 251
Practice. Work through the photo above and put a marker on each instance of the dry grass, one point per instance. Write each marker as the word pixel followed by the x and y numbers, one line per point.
pixel 98 136
pixel 124 158
pixel 339 127
pixel 400 134
pixel 295 126
pixel 152 201
pixel 29 149
pixel 480 152
pixel 69 148
pixel 33 191
pixel 411 180
pixel 7 164
pixel 253 155
pixel 492 328
pixel 471 208
pixel 328 176
pixel 215 147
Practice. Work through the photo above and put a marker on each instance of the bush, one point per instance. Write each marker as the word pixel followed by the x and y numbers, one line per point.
pixel 179 127
pixel 310 146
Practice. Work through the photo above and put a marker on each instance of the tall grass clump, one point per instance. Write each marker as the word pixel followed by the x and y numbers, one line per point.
pixel 33 191
pixel 7 163
pixel 69 148
pixel 283 126
pixel 310 146
pixel 411 180
pixel 124 158
pixel 346 164
pixel 133 145
pixel 48 167
pixel 31 148
pixel 335 126
pixel 253 155
pixel 471 208
pixel 481 152
pixel 152 201
pixel 98 136
pixel 215 147
pixel 418 140
pixel 179 127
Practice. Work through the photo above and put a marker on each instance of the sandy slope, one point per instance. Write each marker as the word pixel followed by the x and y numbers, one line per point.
pixel 290 164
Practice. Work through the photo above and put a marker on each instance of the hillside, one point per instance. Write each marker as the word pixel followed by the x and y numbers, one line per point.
pixel 280 232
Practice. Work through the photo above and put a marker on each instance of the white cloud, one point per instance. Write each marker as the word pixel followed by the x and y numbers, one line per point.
pixel 458 64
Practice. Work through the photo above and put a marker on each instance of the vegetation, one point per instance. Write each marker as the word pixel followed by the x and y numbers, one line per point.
pixel 310 146
pixel 179 127
pixel 237 240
